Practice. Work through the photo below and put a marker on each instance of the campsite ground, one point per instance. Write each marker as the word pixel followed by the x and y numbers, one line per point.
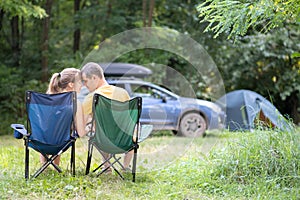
pixel 214 167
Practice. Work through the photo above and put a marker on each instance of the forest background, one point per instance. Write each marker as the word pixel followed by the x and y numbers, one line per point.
pixel 40 37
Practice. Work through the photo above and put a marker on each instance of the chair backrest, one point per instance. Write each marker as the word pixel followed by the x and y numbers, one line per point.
pixel 50 116
pixel 115 123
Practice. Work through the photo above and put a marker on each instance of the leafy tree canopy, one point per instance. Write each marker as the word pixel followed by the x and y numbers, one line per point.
pixel 236 17
pixel 22 8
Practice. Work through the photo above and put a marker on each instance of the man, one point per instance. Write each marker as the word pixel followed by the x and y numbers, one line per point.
pixel 93 78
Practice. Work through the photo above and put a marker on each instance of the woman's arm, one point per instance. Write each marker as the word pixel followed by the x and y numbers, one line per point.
pixel 80 122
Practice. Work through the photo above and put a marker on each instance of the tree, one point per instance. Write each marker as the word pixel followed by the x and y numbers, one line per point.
pixel 74 32
pixel 45 40
pixel 263 63
pixel 15 40
pixel 236 17
pixel 23 8
pixel 77 28
pixel 150 12
pixel 15 11
pixel 266 57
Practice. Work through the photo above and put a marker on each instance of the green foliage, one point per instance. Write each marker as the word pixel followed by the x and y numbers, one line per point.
pixel 264 63
pixel 254 57
pixel 269 159
pixel 258 165
pixel 236 17
pixel 22 8
pixel 12 96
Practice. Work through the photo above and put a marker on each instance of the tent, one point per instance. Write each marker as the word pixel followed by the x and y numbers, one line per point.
pixel 243 107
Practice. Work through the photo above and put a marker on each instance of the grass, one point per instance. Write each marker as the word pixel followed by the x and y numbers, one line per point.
pixel 223 165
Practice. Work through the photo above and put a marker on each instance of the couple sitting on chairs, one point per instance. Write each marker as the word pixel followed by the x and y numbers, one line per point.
pixel 57 118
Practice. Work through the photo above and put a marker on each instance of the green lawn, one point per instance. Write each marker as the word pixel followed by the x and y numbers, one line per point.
pixel 222 165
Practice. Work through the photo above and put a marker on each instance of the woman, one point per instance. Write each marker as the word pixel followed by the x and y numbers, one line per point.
pixel 66 81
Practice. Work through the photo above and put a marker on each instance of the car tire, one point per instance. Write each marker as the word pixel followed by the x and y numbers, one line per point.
pixel 192 125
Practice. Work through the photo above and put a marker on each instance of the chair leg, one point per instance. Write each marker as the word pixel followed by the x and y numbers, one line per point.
pixel 89 158
pixel 26 160
pixel 51 161
pixel 38 172
pixel 106 160
pixel 73 158
pixel 117 160
pixel 134 164
pixel 111 164
pixel 45 165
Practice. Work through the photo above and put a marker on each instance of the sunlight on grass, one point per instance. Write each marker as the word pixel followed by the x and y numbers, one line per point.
pixel 223 165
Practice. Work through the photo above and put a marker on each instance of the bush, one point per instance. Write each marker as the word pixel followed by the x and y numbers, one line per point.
pixel 12 96
pixel 268 157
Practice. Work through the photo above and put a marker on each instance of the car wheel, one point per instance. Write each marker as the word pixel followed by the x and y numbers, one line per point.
pixel 192 125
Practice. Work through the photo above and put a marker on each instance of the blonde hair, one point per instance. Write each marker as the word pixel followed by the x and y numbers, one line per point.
pixel 60 81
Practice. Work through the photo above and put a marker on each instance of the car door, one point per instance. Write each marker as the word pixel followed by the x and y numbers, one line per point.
pixel 159 108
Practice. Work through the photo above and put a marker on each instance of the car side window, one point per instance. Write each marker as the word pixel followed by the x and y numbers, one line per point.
pixel 146 91
pixel 121 85
pixel 141 90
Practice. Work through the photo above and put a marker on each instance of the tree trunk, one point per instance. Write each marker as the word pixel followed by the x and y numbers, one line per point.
pixel 150 12
pixel 77 29
pixel 1 18
pixel 15 41
pixel 151 8
pixel 144 13
pixel 109 10
pixel 45 41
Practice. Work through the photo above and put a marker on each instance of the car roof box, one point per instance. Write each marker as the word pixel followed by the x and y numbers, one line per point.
pixel 125 70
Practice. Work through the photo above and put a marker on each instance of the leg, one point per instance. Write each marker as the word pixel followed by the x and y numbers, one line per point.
pixel 57 160
pixel 42 159
pixel 127 159
pixel 105 157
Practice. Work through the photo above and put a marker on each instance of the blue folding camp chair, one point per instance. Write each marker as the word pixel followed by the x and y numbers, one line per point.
pixel 50 128
pixel 115 123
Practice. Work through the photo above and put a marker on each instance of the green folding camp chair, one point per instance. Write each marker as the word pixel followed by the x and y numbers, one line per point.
pixel 115 124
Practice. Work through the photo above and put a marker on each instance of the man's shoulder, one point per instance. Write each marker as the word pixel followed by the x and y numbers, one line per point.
pixel 119 89
pixel 119 93
pixel 107 89
pixel 111 88
pixel 122 93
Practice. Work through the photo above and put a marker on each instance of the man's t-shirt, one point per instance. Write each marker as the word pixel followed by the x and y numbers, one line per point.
pixel 109 91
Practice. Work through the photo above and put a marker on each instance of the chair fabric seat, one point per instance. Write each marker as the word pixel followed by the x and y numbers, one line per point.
pixel 116 129
pixel 49 149
pixel 115 123
pixel 50 127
